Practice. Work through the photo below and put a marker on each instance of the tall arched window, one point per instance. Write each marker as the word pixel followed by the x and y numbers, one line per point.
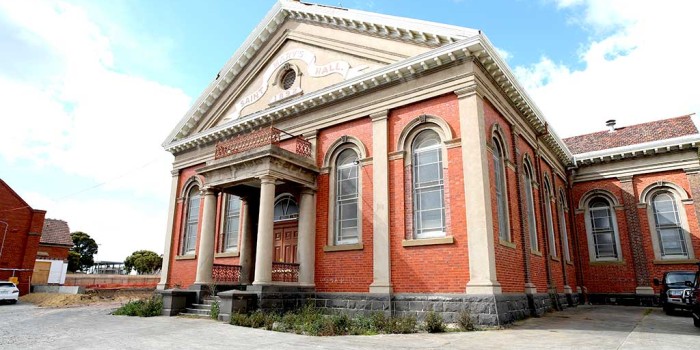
pixel 670 233
pixel 232 220
pixel 286 208
pixel 603 235
pixel 530 207
pixel 428 186
pixel 549 218
pixel 561 209
pixel 499 170
pixel 346 202
pixel 192 221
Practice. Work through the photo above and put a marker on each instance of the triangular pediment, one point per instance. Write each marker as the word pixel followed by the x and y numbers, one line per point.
pixel 302 48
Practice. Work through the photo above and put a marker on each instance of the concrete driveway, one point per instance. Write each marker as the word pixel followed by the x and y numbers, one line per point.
pixel 24 326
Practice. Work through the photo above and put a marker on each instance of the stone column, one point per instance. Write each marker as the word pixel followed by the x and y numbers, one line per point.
pixel 205 256
pixel 477 193
pixel 246 251
pixel 169 226
pixel 629 200
pixel 381 261
pixel 263 254
pixel 306 251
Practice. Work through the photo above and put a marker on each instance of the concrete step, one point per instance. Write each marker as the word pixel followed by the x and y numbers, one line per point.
pixel 197 311
pixel 186 314
pixel 202 306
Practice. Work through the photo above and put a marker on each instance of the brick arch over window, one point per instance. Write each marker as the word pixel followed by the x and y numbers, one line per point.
pixel 190 215
pixel 419 124
pixel 583 202
pixel 340 145
pixel 192 181
pixel 668 221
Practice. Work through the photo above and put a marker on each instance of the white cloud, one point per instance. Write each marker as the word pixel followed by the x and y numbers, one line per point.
pixel 640 65
pixel 505 55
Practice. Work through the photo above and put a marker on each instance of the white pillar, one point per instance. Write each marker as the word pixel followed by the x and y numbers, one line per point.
pixel 477 193
pixel 306 247
pixel 246 252
pixel 380 223
pixel 263 254
pixel 169 231
pixel 205 256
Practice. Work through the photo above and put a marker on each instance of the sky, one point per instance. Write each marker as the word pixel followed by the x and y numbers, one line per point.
pixel 90 89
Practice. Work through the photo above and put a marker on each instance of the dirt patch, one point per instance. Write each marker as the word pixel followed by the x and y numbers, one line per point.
pixel 91 297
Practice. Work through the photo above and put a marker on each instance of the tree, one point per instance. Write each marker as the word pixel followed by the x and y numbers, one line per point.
pixel 143 261
pixel 85 247
pixel 73 261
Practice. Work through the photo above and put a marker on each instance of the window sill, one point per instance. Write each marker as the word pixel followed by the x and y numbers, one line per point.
pixel 607 262
pixel 675 261
pixel 555 258
pixel 427 241
pixel 186 257
pixel 569 262
pixel 231 254
pixel 343 247
pixel 506 243
pixel 535 252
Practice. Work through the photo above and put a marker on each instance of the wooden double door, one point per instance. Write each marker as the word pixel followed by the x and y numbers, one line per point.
pixel 286 235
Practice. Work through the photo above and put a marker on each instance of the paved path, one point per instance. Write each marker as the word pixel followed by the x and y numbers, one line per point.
pixel 24 326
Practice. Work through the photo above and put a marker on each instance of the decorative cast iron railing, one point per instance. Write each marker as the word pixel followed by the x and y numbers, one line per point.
pixel 226 273
pixel 259 138
pixel 285 272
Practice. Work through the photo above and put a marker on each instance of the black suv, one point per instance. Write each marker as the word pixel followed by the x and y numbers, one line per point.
pixel 695 298
pixel 674 290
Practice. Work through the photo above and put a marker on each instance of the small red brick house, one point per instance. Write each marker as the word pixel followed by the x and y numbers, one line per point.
pixel 374 163
pixel 52 255
pixel 20 230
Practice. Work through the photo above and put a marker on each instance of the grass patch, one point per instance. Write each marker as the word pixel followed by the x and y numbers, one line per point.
pixel 146 307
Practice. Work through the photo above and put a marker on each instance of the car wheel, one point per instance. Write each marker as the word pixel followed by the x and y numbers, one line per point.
pixel 696 321
pixel 13 301
pixel 668 310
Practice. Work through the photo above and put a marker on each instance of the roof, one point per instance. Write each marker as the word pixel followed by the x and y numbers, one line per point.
pixel 56 232
pixel 632 135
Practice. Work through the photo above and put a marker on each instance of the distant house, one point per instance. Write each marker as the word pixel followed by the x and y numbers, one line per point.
pixel 20 232
pixel 52 256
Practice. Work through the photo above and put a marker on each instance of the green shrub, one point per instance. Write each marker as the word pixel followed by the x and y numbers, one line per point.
pixel 147 307
pixel 215 310
pixel 464 321
pixel 403 325
pixel 240 320
pixel 379 323
pixel 257 319
pixel 434 323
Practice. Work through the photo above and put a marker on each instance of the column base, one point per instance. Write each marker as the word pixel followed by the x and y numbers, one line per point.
pixel 380 288
pixel 530 288
pixel 161 286
pixel 644 291
pixel 567 289
pixel 483 287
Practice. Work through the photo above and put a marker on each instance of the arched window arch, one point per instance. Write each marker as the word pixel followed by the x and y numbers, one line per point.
pixel 347 183
pixel 530 205
pixel 668 223
pixel 428 185
pixel 549 220
pixel 189 237
pixel 601 227
pixel 501 186
pixel 561 210
pixel 231 225
pixel 286 208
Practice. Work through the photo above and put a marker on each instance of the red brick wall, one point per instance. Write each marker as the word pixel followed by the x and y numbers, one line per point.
pixel 24 226
pixel 344 271
pixel 54 252
pixel 182 272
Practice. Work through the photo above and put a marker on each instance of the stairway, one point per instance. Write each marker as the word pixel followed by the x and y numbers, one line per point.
pixel 200 310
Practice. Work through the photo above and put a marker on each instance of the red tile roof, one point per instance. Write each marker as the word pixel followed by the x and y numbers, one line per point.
pixel 56 232
pixel 631 135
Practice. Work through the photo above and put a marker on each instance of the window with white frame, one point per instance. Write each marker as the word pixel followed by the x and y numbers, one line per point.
pixel 232 221
pixel 603 235
pixel 670 233
pixel 286 208
pixel 501 189
pixel 530 208
pixel 428 186
pixel 549 219
pixel 561 208
pixel 346 198
pixel 192 221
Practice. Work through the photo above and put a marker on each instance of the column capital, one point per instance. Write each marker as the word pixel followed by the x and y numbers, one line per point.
pixel 267 179
pixel 469 91
pixel 307 190
pixel 208 191
pixel 624 179
pixel 175 172
pixel 379 116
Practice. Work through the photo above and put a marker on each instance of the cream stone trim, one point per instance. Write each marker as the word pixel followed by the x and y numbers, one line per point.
pixel 231 254
pixel 583 204
pixel 345 141
pixel 678 195
pixel 194 180
pixel 676 261
pixel 207 237
pixel 381 242
pixel 506 243
pixel 344 247
pixel 421 123
pixel 645 195
pixel 330 158
pixel 607 262
pixel 169 228
pixel 427 241
pixel 497 133
pixel 454 143
pixel 186 257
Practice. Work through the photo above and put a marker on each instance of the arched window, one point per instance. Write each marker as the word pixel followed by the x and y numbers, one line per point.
pixel 346 197
pixel 189 240
pixel 670 233
pixel 530 207
pixel 549 219
pixel 561 209
pixel 232 221
pixel 286 208
pixel 428 187
pixel 499 170
pixel 602 228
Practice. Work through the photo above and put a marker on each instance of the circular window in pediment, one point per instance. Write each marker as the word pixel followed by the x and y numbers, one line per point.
pixel 288 79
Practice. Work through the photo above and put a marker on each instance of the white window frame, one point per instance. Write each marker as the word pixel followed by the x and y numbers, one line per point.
pixel 417 188
pixel 340 201
pixel 549 219
pixel 501 186
pixel 592 251
pixel 530 207
pixel 680 197
pixel 562 209
pixel 227 227
pixel 189 236
pixel 286 217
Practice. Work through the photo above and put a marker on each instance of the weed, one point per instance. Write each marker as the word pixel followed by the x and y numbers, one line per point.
pixel 215 310
pixel 147 307
pixel 465 322
pixel 434 323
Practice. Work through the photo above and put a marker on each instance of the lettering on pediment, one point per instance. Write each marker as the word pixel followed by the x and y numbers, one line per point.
pixel 336 67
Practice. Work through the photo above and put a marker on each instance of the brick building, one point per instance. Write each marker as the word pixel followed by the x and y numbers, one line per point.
pixel 370 162
pixel 52 255
pixel 20 227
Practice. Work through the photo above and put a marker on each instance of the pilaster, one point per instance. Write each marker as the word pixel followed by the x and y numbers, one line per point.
pixel 477 193
pixel 380 198
pixel 629 200
pixel 306 253
pixel 169 226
